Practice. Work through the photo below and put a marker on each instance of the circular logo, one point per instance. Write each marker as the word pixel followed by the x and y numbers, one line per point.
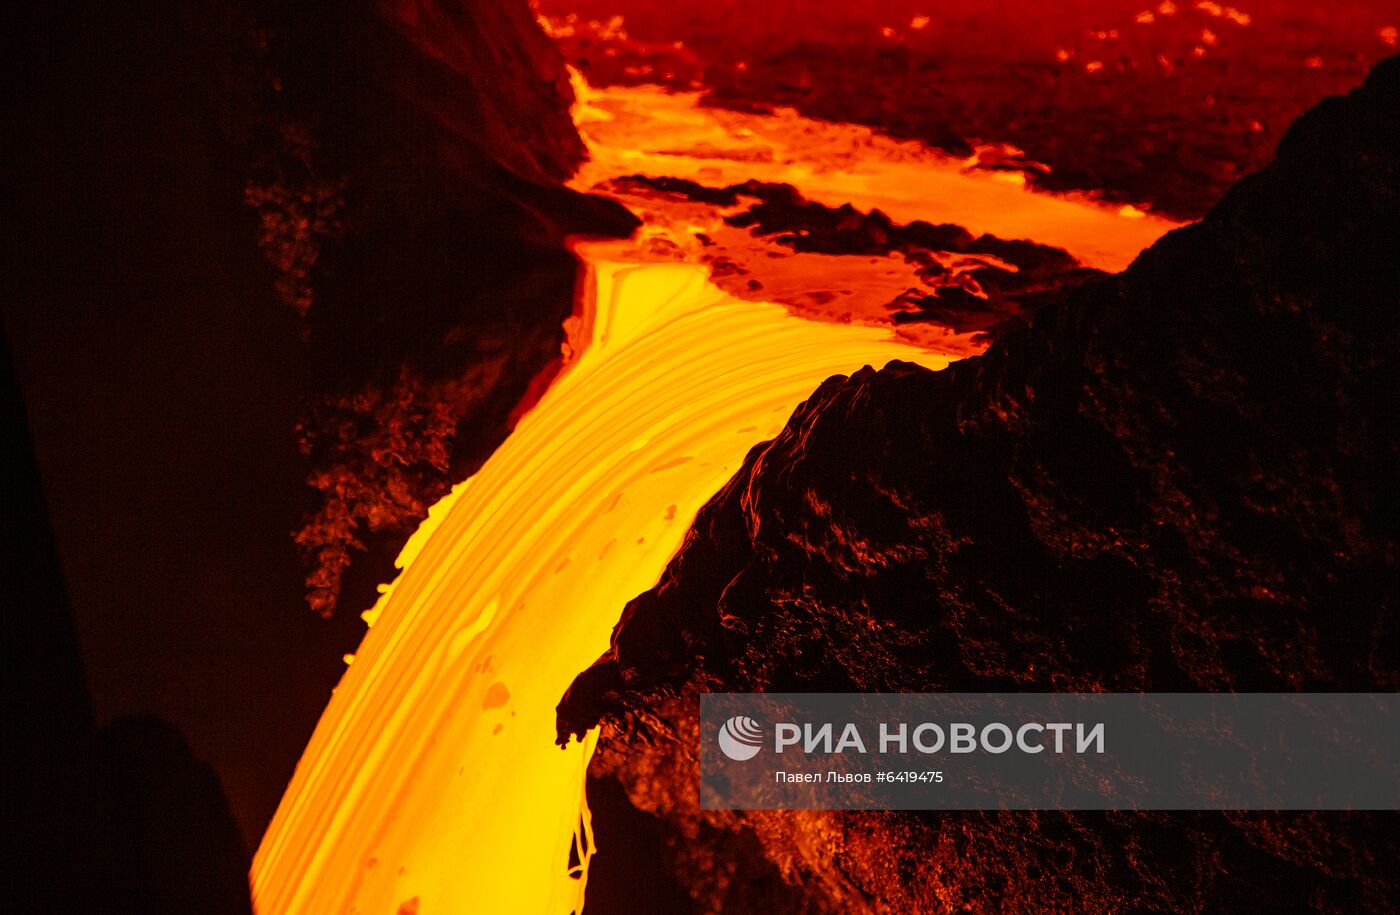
pixel 740 738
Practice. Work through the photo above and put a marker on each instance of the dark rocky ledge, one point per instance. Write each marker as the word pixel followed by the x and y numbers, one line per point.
pixel 1006 280
pixel 408 180
pixel 1179 478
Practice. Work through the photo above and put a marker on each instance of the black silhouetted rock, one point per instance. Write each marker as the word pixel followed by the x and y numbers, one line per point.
pixel 118 820
pixel 153 829
pixel 47 715
pixel 1181 478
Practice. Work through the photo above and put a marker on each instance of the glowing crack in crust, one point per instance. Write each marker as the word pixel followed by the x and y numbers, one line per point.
pixel 645 130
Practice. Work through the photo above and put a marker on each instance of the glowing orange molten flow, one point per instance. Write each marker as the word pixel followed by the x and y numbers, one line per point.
pixel 433 773
pixel 432 783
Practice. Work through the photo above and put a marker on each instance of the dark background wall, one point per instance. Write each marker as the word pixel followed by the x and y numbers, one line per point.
pixel 165 371
pixel 160 371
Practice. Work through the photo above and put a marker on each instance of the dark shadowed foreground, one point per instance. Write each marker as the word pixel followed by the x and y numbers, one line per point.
pixel 124 819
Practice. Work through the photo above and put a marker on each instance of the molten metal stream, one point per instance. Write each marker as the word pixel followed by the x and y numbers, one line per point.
pixel 432 783
pixel 433 773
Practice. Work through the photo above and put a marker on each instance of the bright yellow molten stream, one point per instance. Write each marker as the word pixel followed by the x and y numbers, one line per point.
pixel 433 773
